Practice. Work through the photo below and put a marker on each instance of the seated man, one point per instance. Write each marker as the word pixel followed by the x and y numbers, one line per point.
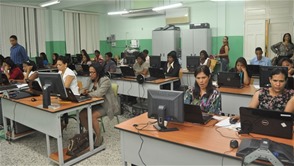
pixel 259 59
pixel 110 65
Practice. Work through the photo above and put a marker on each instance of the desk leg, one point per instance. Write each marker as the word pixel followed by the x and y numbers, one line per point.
pixel 59 142
pixel 90 128
pixel 12 133
pixel 5 127
pixel 172 86
pixel 48 145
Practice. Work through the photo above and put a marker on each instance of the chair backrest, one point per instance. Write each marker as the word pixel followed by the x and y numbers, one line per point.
pixel 181 73
pixel 114 87
pixel 80 85
pixel 212 64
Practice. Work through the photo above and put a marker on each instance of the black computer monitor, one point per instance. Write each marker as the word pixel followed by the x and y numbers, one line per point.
pixel 265 72
pixel 39 62
pixel 68 58
pixel 155 61
pixel 192 62
pixel 75 60
pixel 253 70
pixel 130 60
pixel 51 83
pixel 79 57
pixel 166 105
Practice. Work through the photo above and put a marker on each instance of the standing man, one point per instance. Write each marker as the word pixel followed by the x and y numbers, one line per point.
pixel 147 58
pixel 17 52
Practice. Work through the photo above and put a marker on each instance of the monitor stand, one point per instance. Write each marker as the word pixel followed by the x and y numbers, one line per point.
pixel 46 95
pixel 160 120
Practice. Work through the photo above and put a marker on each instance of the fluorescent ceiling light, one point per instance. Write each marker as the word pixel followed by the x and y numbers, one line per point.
pixel 49 3
pixel 167 7
pixel 118 12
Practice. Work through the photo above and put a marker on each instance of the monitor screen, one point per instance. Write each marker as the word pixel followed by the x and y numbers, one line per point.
pixel 51 83
pixel 165 105
pixel 79 57
pixel 130 59
pixel 192 62
pixel 155 61
pixel 253 70
pixel 68 58
pixel 265 72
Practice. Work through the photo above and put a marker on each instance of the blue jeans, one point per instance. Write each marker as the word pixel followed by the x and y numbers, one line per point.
pixel 225 64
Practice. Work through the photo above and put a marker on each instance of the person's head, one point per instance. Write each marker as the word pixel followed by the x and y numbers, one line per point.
pixel 26 64
pixel 85 58
pixel 11 65
pixel 240 63
pixel 108 56
pixel 258 53
pixel 55 56
pixel 203 55
pixel 226 40
pixel 61 63
pixel 203 80
pixel 97 53
pixel 84 52
pixel 286 62
pixel 13 40
pixel 278 79
pixel 96 71
pixel 172 57
pixel 141 58
pixel 1 60
pixel 287 37
pixel 43 55
pixel 145 53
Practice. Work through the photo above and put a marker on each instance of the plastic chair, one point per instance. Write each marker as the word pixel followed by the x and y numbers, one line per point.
pixel 114 87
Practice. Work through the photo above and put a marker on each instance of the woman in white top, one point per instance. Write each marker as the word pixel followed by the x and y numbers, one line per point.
pixel 68 76
pixel 204 60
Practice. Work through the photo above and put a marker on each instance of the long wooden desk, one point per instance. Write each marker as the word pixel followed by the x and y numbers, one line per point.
pixel 47 121
pixel 234 98
pixel 130 87
pixel 193 144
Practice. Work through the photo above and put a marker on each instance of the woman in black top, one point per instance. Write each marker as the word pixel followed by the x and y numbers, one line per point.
pixel 172 68
pixel 241 67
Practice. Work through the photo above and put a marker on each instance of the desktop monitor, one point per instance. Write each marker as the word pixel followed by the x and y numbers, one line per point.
pixel 265 72
pixel 165 105
pixel 130 60
pixel 68 58
pixel 74 60
pixel 155 61
pixel 51 83
pixel 253 70
pixel 79 57
pixel 192 62
pixel 39 62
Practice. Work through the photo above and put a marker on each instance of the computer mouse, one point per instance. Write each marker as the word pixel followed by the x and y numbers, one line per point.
pixel 233 120
pixel 33 99
pixel 234 143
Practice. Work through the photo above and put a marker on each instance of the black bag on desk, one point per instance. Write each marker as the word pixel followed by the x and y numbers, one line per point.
pixel 77 144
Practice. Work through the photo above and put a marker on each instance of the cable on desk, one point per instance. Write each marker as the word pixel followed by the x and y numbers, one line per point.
pixel 142 141
pixel 223 156
pixel 216 129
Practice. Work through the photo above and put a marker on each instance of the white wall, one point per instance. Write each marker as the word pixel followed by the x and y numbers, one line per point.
pixel 55 25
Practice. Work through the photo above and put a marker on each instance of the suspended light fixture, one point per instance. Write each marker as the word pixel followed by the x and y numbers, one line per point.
pixel 118 12
pixel 176 5
pixel 49 3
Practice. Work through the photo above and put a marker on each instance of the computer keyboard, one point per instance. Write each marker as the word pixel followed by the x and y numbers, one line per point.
pixel 19 95
pixel 6 87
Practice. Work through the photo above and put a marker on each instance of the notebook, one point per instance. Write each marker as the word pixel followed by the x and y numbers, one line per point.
pixel 194 114
pixel 272 123
pixel 127 71
pixel 155 73
pixel 76 98
pixel 229 79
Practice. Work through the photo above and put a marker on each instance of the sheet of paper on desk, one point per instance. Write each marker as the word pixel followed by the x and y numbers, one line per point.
pixel 21 86
pixel 226 123
pixel 256 86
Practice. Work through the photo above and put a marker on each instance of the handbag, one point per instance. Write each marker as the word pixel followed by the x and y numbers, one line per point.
pixel 77 144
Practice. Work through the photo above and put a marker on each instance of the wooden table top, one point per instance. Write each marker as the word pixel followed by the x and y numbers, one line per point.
pixel 158 81
pixel 204 137
pixel 246 90
pixel 63 104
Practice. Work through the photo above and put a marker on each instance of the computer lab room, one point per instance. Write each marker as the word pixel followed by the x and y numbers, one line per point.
pixel 146 82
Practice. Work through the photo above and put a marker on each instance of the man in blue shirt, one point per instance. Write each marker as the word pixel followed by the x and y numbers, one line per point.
pixel 259 59
pixel 17 52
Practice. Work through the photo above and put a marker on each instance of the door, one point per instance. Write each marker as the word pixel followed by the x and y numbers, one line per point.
pixel 254 37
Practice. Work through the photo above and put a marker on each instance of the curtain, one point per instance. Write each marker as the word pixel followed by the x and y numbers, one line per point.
pixel 81 32
pixel 28 24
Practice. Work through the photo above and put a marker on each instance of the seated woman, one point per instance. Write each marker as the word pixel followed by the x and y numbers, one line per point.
pixel 241 67
pixel 204 60
pixel 44 57
pixel 276 97
pixel 204 93
pixel 99 86
pixel 286 62
pixel 172 69
pixel 85 58
pixel 141 66
pixel 12 71
pixel 30 71
pixel 54 59
pixel 290 105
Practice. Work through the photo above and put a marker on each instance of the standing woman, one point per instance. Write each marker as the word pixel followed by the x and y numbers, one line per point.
pixel 172 69
pixel 54 59
pixel 224 53
pixel 284 49
pixel 204 93
pixel 99 86
pixel 68 76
